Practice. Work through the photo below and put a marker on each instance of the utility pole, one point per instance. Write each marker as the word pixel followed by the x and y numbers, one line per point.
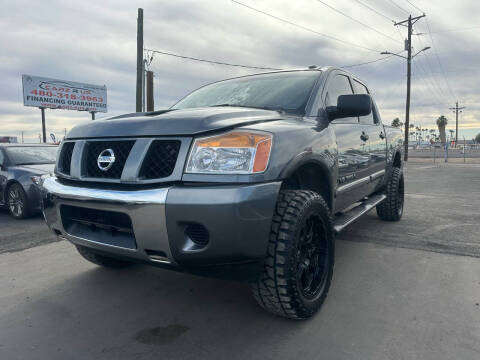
pixel 408 23
pixel 150 104
pixel 139 92
pixel 456 110
pixel 44 131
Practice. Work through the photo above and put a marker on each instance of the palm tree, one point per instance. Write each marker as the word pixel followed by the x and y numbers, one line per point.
pixel 441 123
pixel 451 134
pixel 396 122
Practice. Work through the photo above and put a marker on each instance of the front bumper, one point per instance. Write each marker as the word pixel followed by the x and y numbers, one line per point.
pixel 236 219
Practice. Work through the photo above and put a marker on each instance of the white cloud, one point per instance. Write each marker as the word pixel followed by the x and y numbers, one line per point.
pixel 95 42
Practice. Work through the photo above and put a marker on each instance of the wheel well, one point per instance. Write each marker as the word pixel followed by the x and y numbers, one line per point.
pixel 310 177
pixel 397 161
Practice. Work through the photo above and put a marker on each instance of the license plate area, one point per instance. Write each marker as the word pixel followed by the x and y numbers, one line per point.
pixel 101 226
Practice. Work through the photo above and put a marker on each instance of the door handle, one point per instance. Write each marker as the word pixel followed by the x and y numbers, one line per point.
pixel 364 136
pixel 382 135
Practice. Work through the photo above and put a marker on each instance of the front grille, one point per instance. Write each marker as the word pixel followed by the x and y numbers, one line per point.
pixel 107 227
pixel 160 159
pixel 65 160
pixel 121 150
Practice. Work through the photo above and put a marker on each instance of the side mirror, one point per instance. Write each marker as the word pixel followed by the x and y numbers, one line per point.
pixel 350 106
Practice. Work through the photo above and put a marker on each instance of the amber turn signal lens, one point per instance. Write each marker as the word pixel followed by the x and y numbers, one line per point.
pixel 262 155
pixel 233 140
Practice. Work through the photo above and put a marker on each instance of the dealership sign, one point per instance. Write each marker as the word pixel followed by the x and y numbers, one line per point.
pixel 60 94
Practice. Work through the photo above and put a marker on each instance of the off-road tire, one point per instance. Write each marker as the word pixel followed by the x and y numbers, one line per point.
pixel 16 193
pixel 278 290
pixel 101 260
pixel 391 209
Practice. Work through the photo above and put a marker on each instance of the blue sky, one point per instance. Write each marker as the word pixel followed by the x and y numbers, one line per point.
pixel 95 42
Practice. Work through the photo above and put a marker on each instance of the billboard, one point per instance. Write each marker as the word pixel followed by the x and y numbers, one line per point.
pixel 61 94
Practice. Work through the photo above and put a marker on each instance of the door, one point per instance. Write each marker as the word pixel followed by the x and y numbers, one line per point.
pixel 353 161
pixel 372 127
pixel 3 175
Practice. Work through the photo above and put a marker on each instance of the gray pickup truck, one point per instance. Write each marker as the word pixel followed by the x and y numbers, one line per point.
pixel 248 179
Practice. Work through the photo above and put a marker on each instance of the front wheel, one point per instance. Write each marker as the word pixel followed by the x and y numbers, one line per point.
pixel 17 202
pixel 299 263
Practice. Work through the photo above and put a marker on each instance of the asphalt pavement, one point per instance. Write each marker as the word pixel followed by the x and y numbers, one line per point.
pixel 406 290
pixel 17 235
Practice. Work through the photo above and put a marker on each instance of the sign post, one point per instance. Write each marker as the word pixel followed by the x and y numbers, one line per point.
pixel 49 93
pixel 44 131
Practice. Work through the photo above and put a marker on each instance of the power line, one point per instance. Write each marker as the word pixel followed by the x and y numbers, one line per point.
pixel 248 66
pixel 356 20
pixel 372 61
pixel 211 61
pixel 427 81
pixel 374 10
pixel 429 67
pixel 416 7
pixel 398 6
pixel 304 27
pixel 438 59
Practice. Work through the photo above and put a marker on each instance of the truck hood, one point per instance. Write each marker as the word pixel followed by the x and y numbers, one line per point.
pixel 173 122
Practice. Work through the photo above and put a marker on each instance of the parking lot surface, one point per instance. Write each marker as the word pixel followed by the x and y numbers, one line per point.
pixel 406 290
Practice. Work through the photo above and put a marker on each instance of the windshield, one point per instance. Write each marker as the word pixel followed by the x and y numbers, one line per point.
pixel 30 155
pixel 287 91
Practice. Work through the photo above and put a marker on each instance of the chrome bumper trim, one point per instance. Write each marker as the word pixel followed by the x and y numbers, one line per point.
pixel 146 209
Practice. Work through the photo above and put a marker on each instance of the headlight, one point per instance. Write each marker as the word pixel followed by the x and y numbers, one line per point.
pixel 236 152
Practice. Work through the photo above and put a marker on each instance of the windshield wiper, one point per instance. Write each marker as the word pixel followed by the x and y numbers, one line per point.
pixel 252 107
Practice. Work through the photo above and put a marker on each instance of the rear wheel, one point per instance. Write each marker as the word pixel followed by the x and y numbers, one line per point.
pixel 391 209
pixel 101 260
pixel 299 264
pixel 17 202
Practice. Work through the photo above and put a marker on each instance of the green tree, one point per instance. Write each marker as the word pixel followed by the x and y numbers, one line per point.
pixel 396 122
pixel 477 138
pixel 442 121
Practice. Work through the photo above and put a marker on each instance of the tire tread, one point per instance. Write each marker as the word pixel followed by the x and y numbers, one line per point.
pixel 274 290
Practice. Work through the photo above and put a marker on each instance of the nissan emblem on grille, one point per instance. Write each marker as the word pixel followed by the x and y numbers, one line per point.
pixel 106 159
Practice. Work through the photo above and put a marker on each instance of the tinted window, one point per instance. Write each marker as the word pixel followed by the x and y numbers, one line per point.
pixel 362 89
pixel 23 155
pixel 339 85
pixel 376 114
pixel 287 91
pixel 1 157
